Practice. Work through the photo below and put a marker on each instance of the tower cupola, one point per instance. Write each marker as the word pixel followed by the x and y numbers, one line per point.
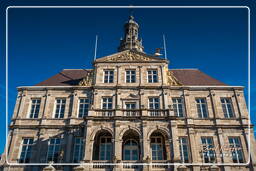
pixel 131 37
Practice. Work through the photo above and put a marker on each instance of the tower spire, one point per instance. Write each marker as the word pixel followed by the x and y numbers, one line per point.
pixel 131 36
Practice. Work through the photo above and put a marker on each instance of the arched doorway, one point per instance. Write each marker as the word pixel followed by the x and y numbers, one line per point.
pixel 158 146
pixel 131 146
pixel 103 146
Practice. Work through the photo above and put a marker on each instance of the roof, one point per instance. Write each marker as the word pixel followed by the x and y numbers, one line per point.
pixel 187 77
pixel 195 77
pixel 67 77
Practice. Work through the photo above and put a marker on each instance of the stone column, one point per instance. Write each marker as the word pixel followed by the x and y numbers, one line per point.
pixel 88 143
pixel 146 141
pixel 195 146
pixel 48 112
pixel 74 106
pixel 175 141
pixel 69 146
pixel 21 111
pixel 117 142
pixel 17 105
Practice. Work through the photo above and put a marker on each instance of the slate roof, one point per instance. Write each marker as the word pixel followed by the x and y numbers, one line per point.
pixel 187 77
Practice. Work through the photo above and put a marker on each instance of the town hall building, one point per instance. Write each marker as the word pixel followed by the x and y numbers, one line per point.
pixel 130 113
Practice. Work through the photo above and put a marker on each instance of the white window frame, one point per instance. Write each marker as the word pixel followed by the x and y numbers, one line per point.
pixel 154 108
pixel 26 149
pixel 137 147
pixel 78 109
pixel 55 107
pixel 235 150
pixel 151 75
pixel 225 105
pixel 154 111
pixel 181 145
pixel 54 148
pixel 30 108
pixel 201 114
pixel 208 149
pixel 108 97
pixel 81 149
pixel 130 75
pixel 105 147
pixel 108 76
pixel 161 145
pixel 176 104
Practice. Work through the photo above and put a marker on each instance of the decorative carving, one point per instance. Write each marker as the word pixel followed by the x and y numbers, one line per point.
pixel 171 80
pixel 128 56
pixel 87 81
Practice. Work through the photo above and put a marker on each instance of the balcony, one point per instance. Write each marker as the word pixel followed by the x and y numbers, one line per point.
pixel 158 112
pixel 105 113
pixel 101 165
pixel 131 112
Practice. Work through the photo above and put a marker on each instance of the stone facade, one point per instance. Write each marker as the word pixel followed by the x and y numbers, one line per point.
pixel 138 129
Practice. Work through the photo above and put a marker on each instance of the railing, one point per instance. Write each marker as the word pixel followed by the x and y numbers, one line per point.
pixel 157 112
pixel 101 164
pixel 107 113
pixel 131 112
pixel 130 165
pixel 159 164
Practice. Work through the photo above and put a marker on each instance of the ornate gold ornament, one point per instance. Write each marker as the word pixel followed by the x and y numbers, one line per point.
pixel 87 81
pixel 128 56
pixel 171 80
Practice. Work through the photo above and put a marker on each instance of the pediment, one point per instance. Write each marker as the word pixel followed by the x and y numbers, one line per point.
pixel 130 56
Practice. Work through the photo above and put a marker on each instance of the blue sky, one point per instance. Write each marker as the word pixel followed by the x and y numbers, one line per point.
pixel 42 42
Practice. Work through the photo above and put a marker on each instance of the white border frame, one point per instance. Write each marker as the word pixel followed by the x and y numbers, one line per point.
pixel 171 164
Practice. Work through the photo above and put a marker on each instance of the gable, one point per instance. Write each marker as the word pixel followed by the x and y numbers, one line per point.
pixel 130 56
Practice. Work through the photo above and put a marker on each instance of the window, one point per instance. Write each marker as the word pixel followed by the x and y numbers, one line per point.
pixel 107 103
pixel 78 149
pixel 53 153
pixel 130 76
pixel 26 150
pixel 131 109
pixel 108 76
pixel 178 107
pixel 154 105
pixel 84 104
pixel 35 107
pixel 157 148
pixel 131 150
pixel 201 107
pixel 208 150
pixel 184 153
pixel 227 107
pixel 130 105
pixel 236 149
pixel 152 76
pixel 105 148
pixel 60 108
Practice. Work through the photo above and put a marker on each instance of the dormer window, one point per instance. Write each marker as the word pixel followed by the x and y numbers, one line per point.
pixel 108 76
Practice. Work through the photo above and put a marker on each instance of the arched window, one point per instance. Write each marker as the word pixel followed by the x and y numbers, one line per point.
pixel 131 150
pixel 103 146
pixel 131 145
pixel 157 145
